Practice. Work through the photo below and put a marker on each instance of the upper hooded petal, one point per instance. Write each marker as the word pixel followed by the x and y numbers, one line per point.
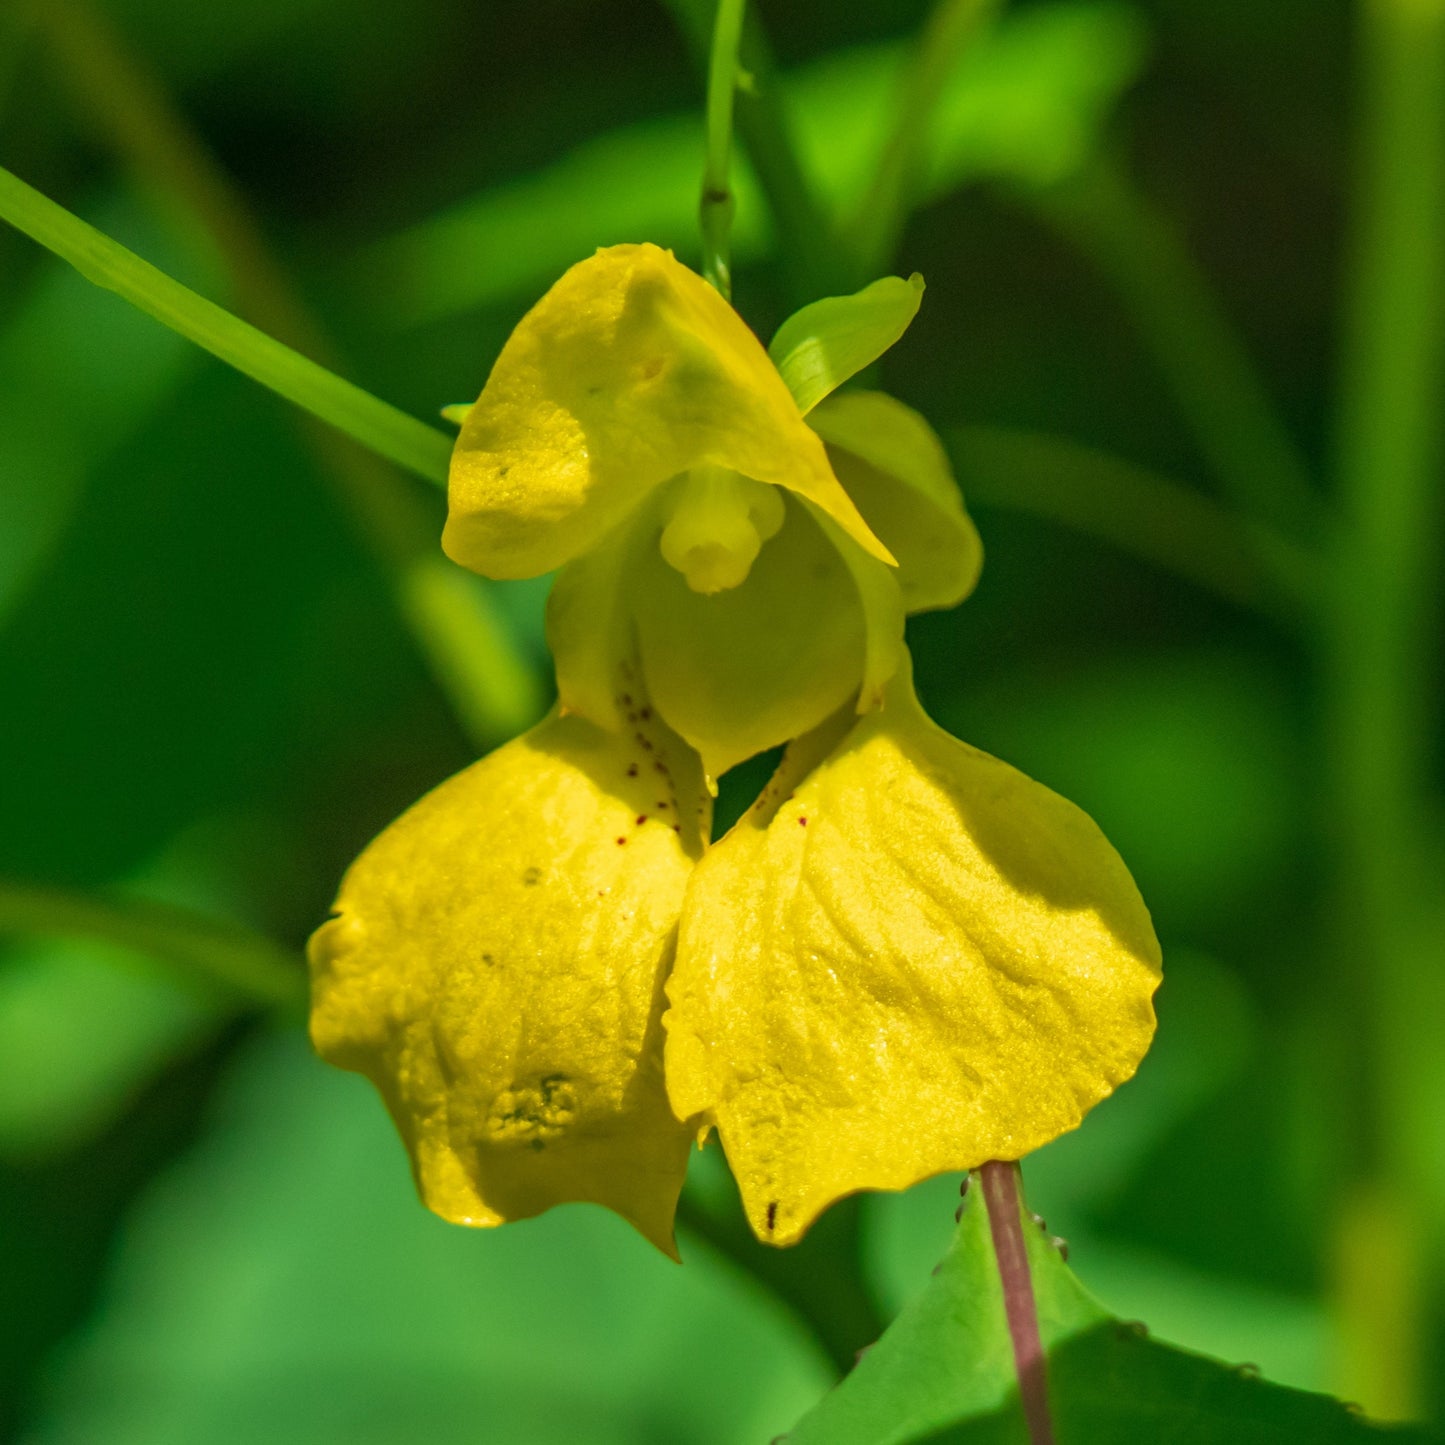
pixel 630 370
pixel 496 965
pixel 908 960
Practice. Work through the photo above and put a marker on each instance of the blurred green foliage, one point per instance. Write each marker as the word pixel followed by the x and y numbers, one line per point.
pixel 209 698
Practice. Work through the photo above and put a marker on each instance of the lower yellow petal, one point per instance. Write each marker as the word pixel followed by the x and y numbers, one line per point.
pixel 495 968
pixel 908 960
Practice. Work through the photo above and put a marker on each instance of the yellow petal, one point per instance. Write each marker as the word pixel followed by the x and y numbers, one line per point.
pixel 884 615
pixel 590 629
pixel 496 970
pixel 740 671
pixel 911 959
pixel 895 469
pixel 629 371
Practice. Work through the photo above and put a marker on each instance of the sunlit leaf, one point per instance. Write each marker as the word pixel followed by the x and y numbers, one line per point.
pixel 1030 103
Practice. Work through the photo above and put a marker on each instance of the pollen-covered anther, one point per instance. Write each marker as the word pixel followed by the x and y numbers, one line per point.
pixel 716 524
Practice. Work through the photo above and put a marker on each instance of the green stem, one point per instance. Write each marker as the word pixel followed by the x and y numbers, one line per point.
pixel 1215 383
pixel 716 211
pixel 952 27
pixel 811 249
pixel 240 961
pixel 374 423
pixel 1380 645
pixel 1148 516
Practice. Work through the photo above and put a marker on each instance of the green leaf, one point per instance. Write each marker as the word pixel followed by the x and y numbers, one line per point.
pixel 82 1027
pixel 943 1373
pixel 818 348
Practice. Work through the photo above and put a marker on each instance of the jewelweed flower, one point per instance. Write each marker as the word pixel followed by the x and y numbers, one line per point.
pixel 635 433
pixel 906 958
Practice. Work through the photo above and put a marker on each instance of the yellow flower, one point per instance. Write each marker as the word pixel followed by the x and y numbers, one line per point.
pixel 907 958
pixel 636 434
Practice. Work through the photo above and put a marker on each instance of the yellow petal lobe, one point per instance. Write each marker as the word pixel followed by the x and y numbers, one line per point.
pixel 910 960
pixel 630 371
pixel 894 467
pixel 495 968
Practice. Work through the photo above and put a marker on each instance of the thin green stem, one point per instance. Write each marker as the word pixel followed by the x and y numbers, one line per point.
pixel 811 249
pixel 202 949
pixel 1216 385
pixel 1380 651
pixel 716 210
pixel 374 423
pixel 491 687
pixel 952 27
pixel 1151 517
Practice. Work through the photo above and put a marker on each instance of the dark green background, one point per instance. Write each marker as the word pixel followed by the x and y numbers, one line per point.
pixel 206 697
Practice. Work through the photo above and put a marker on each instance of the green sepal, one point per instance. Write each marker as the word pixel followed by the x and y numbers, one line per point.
pixel 818 348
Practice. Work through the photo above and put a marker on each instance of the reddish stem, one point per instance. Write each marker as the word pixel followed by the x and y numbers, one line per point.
pixel 1005 1221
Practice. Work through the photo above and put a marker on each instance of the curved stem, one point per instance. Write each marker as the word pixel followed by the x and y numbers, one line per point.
pixel 812 252
pixel 716 211
pixel 240 961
